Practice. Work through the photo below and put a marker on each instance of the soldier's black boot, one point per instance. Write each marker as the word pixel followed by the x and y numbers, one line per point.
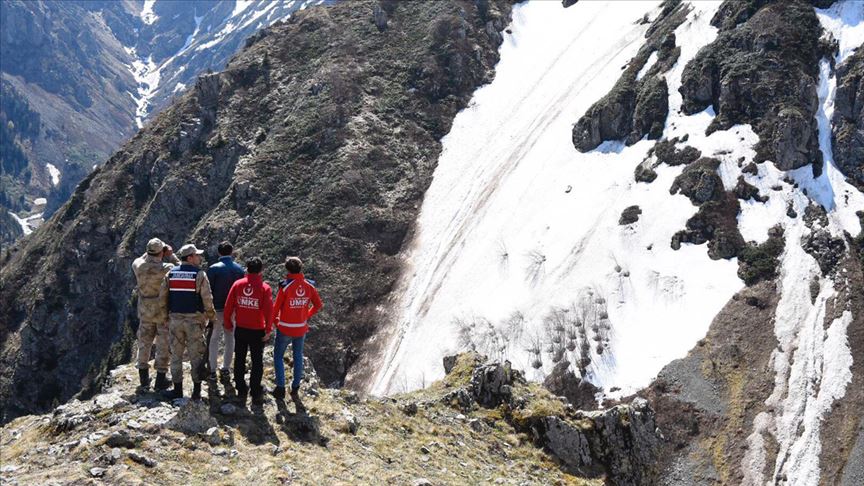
pixel 177 392
pixel 196 391
pixel 279 393
pixel 144 377
pixel 162 382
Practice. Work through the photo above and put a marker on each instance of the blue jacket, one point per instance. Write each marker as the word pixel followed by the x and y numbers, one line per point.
pixel 222 276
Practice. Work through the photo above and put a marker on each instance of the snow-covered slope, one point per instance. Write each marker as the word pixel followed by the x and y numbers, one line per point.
pixel 519 252
pixel 519 232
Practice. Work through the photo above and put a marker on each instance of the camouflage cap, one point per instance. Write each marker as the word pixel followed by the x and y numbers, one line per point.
pixel 189 249
pixel 155 246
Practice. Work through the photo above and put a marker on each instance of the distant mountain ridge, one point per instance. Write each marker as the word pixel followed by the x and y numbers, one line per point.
pixel 92 72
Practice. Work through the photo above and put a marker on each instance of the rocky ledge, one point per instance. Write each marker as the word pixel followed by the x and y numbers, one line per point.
pixel 483 423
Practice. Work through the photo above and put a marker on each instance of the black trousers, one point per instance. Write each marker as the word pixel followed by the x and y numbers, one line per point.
pixel 248 340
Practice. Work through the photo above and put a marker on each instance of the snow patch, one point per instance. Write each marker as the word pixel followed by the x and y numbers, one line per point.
pixel 147 15
pixel 54 172
pixel 648 64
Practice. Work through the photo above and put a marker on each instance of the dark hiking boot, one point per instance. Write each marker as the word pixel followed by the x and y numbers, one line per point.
pixel 162 382
pixel 196 391
pixel 295 393
pixel 258 398
pixel 176 392
pixel 212 377
pixel 225 377
pixel 144 378
pixel 279 393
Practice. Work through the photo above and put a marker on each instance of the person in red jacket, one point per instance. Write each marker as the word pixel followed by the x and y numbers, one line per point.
pixel 248 307
pixel 296 302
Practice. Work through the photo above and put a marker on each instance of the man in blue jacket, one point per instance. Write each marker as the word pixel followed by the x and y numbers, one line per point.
pixel 222 276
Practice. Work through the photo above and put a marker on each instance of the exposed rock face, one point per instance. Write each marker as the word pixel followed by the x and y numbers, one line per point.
pixel 699 181
pixel 289 151
pixel 619 443
pixel 630 215
pixel 636 106
pixel 716 223
pixel 562 381
pixel 847 124
pixel 764 72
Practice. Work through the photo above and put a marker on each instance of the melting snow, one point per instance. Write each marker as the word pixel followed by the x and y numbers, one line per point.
pixel 55 174
pixel 147 15
pixel 812 365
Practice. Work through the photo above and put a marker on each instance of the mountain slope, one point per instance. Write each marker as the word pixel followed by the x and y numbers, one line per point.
pixel 92 72
pixel 319 140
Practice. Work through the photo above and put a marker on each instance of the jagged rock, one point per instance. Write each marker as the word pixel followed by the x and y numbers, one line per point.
pixel 459 398
pixel 644 173
pixel 717 223
pixel 630 215
pixel 424 481
pixel 774 91
pixel 449 363
pixel 760 262
pixel 97 472
pixel 213 436
pixel 304 428
pixel 699 181
pixel 826 249
pixel 71 415
pixel 562 381
pixel 192 418
pixel 348 422
pixel 746 191
pixel 667 153
pixel 568 3
pixel 491 384
pixel 409 408
pixel 142 459
pixel 635 108
pixel 122 438
pixel 847 123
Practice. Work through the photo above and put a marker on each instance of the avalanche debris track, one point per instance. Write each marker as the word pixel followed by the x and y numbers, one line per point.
pixel 518 237
pixel 812 363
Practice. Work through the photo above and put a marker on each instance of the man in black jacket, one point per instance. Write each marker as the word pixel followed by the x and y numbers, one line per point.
pixel 222 276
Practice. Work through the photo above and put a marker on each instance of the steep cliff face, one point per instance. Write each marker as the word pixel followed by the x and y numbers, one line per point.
pixel 318 140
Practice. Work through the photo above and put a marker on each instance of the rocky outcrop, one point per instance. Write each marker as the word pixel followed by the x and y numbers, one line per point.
pixel 699 181
pixel 638 104
pixel 847 123
pixel 124 436
pixel 630 215
pixel 764 72
pixel 288 151
pixel 618 444
pixel 716 223
pixel 562 381
pixel 760 262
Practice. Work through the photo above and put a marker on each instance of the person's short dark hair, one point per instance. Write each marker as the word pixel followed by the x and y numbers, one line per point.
pixel 254 265
pixel 293 264
pixel 225 248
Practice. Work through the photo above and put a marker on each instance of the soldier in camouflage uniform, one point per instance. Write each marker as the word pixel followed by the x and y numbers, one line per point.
pixel 188 302
pixel 149 270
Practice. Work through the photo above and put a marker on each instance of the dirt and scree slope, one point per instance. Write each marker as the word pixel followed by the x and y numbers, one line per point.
pixel 319 139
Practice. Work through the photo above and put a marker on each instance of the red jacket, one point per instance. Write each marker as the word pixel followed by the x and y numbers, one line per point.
pixel 296 302
pixel 250 303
